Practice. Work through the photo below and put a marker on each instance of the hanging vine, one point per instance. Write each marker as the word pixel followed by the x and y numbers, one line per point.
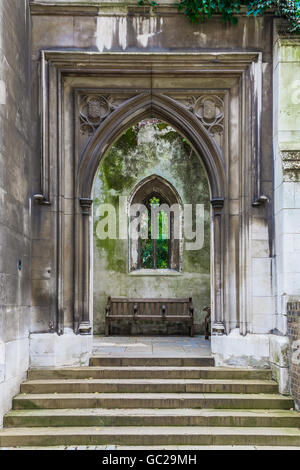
pixel 201 10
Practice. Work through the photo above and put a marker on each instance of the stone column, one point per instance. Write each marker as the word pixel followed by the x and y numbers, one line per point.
pixel 85 327
pixel 218 328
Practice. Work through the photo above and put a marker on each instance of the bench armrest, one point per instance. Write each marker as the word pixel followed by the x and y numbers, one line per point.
pixel 191 308
pixel 108 307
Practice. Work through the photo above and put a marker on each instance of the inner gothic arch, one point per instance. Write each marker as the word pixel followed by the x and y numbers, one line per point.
pixel 170 202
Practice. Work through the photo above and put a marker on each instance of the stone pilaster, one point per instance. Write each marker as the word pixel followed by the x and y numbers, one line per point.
pixel 85 327
pixel 218 323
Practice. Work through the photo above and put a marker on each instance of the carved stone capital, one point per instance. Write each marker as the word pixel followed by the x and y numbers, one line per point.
pixel 217 204
pixel 85 328
pixel 290 165
pixel 218 329
pixel 86 205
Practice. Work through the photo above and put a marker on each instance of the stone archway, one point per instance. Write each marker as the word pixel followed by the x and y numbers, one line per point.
pixel 141 107
pixel 209 98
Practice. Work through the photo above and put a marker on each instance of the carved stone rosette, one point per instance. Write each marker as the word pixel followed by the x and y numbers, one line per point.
pixel 209 109
pixel 93 110
pixel 95 107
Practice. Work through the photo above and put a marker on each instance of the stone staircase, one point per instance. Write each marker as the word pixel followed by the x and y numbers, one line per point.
pixel 150 402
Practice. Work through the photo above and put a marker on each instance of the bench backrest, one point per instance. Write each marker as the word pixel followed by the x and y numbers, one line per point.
pixel 123 306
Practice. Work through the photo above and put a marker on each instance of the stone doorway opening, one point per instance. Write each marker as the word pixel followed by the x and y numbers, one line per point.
pixel 151 161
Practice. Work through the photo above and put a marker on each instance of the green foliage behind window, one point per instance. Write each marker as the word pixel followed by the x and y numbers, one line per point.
pixel 161 245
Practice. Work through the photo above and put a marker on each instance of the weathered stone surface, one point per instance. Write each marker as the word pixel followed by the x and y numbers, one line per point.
pixel 237 351
pixel 150 148
pixel 15 188
pixel 48 350
pixel 280 361
pixel 66 407
pixel 40 245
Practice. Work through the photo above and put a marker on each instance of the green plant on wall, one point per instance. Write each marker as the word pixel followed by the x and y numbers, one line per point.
pixel 201 10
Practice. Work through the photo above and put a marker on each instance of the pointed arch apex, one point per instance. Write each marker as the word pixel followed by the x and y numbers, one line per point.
pixel 159 106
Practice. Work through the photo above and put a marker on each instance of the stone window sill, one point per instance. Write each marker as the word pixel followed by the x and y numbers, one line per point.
pixel 155 272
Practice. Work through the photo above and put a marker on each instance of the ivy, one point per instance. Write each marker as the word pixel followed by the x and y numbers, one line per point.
pixel 201 10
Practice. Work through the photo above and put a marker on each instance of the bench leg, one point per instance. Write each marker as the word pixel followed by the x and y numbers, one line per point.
pixel 107 328
pixel 192 331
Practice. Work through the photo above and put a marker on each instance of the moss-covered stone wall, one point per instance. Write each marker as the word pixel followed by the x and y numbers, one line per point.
pixel 151 147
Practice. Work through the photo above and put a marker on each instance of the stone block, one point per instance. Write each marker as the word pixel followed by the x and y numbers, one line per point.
pixel 279 361
pixel 263 305
pixel 279 350
pixel 16 358
pixel 68 350
pixel 235 350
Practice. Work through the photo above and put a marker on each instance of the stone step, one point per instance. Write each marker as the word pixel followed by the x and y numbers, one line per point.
pixel 149 436
pixel 148 386
pixel 152 400
pixel 150 373
pixel 152 417
pixel 152 361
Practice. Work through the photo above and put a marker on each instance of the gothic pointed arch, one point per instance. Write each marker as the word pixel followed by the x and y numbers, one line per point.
pixel 162 107
pixel 143 106
pixel 157 198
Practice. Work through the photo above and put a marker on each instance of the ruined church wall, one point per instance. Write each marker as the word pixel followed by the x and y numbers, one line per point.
pixel 94 26
pixel 15 191
pixel 140 153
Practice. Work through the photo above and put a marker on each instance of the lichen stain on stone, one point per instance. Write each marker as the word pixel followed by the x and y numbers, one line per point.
pixel 144 150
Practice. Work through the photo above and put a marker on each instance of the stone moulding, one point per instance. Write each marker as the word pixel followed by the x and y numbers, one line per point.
pixel 107 118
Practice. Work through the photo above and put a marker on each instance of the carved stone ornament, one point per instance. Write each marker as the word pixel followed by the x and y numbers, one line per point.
pixel 209 109
pixel 93 110
pixel 291 165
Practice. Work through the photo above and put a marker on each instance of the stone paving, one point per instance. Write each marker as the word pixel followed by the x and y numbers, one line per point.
pixel 151 346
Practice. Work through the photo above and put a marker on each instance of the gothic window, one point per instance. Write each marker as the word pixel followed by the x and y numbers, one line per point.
pixel 154 251
pixel 157 220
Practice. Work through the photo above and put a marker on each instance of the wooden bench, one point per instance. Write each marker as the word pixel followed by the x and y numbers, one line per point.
pixel 165 310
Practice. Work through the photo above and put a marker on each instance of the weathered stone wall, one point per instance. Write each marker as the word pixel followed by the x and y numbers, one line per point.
pixel 286 154
pixel 287 174
pixel 15 181
pixel 139 153
pixel 294 338
pixel 111 27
